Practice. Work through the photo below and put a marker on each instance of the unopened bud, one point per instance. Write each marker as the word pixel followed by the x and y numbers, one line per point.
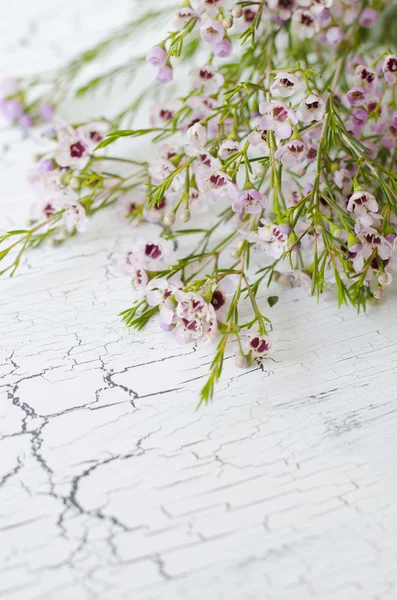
pixel 186 216
pixel 383 279
pixel 169 219
pixel 378 293
pixel 241 361
pixel 260 171
pixel 227 23
pixel 237 12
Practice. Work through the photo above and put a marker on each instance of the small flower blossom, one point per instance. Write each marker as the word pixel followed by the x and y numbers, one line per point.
pixel 335 35
pixel 73 149
pixel 197 136
pixel 212 32
pixel 356 96
pixel 208 78
pixel 389 68
pixel 250 201
pixel 164 74
pixel 228 148
pixel 222 296
pixel 183 16
pixel 361 201
pixel 272 238
pixel 223 49
pixel 365 76
pixel 285 84
pixel 304 24
pixel 368 18
pixel 157 56
pixel 257 345
pixel 195 319
pixel 292 153
pixel 312 109
pixel 277 117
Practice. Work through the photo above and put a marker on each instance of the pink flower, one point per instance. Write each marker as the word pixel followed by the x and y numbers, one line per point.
pixel 183 16
pixel 163 113
pixel 277 117
pixel 389 68
pixel 335 35
pixel 250 201
pixel 356 96
pixel 292 153
pixel 212 32
pixel 46 112
pixel 12 109
pixel 270 237
pixel 368 18
pixel 228 148
pixel 9 87
pixel 223 49
pixel 93 133
pixel 365 76
pixel 129 205
pixel 208 78
pixel 285 84
pixel 165 74
pixel 157 56
pixel 284 8
pixel 148 253
pixel 304 24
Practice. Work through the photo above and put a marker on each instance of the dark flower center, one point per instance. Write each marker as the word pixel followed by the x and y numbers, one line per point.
pixel 77 150
pixel 49 210
pixel 286 82
pixel 153 251
pixel 218 299
pixel 165 114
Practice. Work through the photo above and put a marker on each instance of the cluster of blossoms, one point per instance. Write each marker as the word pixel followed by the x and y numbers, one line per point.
pixel 15 108
pixel 282 149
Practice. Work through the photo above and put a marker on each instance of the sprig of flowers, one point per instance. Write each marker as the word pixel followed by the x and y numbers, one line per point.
pixel 281 150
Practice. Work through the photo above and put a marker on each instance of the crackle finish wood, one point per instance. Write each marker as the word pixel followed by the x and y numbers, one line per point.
pixel 112 486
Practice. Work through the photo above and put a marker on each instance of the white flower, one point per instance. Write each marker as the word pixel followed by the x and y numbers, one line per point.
pixel 195 319
pixel 361 201
pixel 304 24
pixel 292 153
pixel 228 148
pixel 285 84
pixel 208 78
pixel 365 76
pixel 312 109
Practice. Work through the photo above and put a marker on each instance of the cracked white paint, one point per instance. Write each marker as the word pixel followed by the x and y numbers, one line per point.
pixel 112 486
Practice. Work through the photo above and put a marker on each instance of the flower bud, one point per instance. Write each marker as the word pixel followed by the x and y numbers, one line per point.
pixel 260 171
pixel 383 279
pixel 237 12
pixel 378 293
pixel 186 216
pixel 169 219
pixel 227 23
pixel 241 361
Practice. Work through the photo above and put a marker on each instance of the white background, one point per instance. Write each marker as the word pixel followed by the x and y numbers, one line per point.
pixel 112 486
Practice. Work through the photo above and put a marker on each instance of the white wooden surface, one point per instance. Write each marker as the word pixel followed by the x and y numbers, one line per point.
pixel 113 487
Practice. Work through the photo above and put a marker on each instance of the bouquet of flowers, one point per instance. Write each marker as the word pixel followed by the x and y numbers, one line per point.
pixel 275 156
